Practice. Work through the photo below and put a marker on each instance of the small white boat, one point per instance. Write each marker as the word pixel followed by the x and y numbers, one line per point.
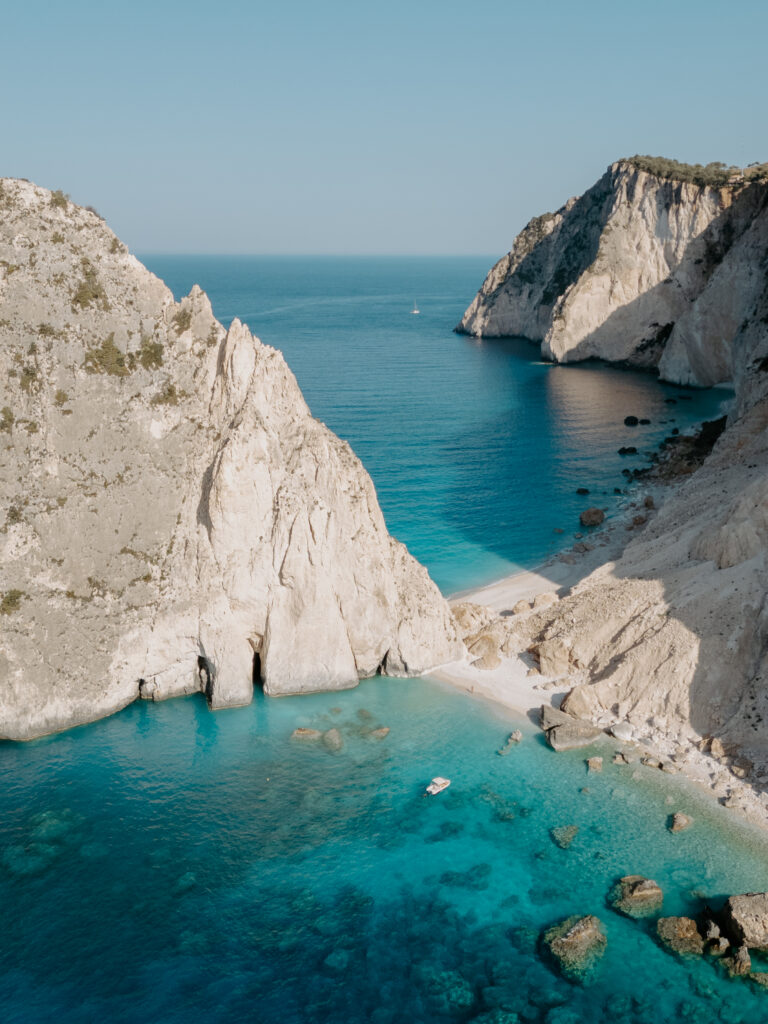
pixel 415 309
pixel 437 785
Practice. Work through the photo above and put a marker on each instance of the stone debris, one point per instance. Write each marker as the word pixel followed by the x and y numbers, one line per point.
pixel 680 935
pixel 636 896
pixel 745 919
pixel 511 742
pixel 564 732
pixel 577 944
pixel 306 734
pixel 679 822
pixel 592 517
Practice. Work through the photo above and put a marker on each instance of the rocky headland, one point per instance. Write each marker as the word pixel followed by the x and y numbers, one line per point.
pixel 666 644
pixel 172 517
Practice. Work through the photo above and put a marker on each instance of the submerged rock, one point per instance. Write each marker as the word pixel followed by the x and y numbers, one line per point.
pixel 379 734
pixel 680 935
pixel 678 822
pixel 332 740
pixel 636 896
pixel 577 945
pixel 592 517
pixel 445 992
pixel 594 764
pixel 739 964
pixel 306 734
pixel 564 835
pixel 512 741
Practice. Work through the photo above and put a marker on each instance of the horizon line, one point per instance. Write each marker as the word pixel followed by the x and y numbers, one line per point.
pixel 322 255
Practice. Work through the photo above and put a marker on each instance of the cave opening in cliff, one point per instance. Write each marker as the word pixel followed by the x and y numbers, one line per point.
pixel 206 676
pixel 257 680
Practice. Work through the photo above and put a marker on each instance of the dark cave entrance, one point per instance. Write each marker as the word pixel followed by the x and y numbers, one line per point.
pixel 258 682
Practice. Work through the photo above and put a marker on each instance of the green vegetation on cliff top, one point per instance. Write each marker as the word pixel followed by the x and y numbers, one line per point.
pixel 715 174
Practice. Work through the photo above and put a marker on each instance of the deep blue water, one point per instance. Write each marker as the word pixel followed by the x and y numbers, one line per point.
pixel 169 864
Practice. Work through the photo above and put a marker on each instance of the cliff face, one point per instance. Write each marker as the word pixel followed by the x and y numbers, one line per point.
pixel 640 269
pixel 672 639
pixel 172 518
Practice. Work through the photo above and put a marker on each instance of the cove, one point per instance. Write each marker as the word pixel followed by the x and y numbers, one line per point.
pixel 169 863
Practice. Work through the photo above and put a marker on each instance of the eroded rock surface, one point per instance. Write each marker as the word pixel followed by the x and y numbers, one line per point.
pixel 173 518
pixel 680 935
pixel 636 896
pixel 577 944
pixel 640 269
pixel 745 919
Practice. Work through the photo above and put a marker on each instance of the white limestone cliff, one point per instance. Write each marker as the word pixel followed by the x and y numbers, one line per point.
pixel 172 518
pixel 641 269
pixel 671 640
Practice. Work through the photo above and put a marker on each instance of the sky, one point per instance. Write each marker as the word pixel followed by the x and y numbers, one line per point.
pixel 424 127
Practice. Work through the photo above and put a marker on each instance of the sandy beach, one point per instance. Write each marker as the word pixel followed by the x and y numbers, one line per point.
pixel 510 684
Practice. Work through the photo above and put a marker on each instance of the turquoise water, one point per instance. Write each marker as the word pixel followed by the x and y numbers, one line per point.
pixel 169 864
pixel 476 448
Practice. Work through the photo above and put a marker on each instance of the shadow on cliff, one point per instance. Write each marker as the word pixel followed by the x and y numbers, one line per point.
pixel 727 693
pixel 571 439
pixel 662 305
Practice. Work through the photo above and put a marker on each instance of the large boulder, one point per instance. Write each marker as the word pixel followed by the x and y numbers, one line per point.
pixel 470 617
pixel 553 656
pixel 592 517
pixel 577 944
pixel 680 935
pixel 636 896
pixel 745 919
pixel 564 732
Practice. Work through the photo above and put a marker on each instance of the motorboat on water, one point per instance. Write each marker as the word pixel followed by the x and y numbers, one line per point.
pixel 437 785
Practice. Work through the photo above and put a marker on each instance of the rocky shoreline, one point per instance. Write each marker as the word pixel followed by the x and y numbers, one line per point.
pixel 726 937
pixel 509 663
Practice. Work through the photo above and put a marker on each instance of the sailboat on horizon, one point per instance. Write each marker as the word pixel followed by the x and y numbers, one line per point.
pixel 415 309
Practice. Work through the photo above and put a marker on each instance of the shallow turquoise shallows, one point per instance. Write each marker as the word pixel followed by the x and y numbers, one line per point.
pixel 173 865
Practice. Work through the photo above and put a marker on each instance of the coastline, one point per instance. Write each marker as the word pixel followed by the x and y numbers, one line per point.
pixel 518 686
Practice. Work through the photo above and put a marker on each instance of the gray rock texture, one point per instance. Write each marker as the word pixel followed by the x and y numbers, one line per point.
pixel 640 269
pixel 745 919
pixel 172 518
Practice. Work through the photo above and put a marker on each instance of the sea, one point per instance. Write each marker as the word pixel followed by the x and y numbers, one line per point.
pixel 171 864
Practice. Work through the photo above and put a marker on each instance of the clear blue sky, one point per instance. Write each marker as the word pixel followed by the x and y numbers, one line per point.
pixel 427 126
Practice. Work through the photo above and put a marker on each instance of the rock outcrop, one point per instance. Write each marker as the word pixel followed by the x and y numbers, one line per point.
pixel 173 518
pixel 577 944
pixel 745 919
pixel 680 935
pixel 641 269
pixel 637 897
pixel 668 644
